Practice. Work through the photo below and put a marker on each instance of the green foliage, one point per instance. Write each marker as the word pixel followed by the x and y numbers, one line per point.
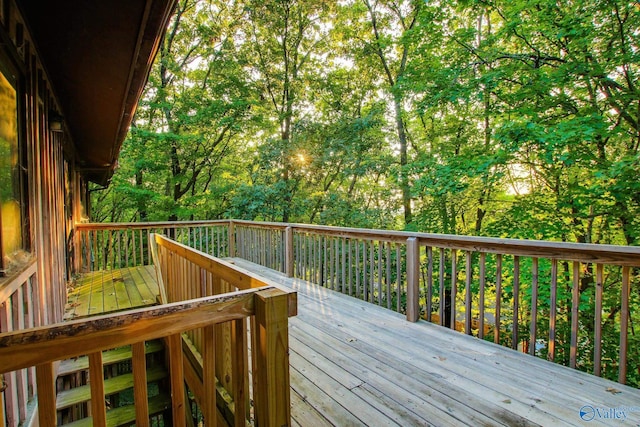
pixel 506 118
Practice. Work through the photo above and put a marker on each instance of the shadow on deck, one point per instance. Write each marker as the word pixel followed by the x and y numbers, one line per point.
pixel 354 363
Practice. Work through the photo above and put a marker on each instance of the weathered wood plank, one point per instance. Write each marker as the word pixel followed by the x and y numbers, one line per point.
pixel 304 414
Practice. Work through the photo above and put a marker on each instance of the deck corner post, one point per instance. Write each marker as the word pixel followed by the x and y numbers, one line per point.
pixel 288 251
pixel 413 279
pixel 272 388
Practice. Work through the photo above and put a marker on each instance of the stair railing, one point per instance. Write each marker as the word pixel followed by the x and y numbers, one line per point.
pixel 221 351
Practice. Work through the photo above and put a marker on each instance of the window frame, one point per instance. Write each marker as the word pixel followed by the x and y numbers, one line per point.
pixel 11 71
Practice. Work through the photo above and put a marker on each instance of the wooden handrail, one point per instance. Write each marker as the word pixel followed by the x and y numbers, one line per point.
pixel 11 284
pixel 35 346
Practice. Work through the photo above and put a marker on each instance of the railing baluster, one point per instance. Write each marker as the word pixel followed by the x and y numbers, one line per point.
pixel 176 369
pixel 46 394
pixel 388 273
pixel 96 382
pixel 467 292
pixel 350 249
pixel 516 302
pixel 331 283
pixel 239 368
pixel 398 277
pixel 21 376
pixel 575 302
pixel 140 392
pixel 481 296
pixel 443 294
pixel 553 301
pixel 209 376
pixel 533 327
pixel 454 287
pixel 498 320
pixel 624 325
pixel 325 261
pixel 597 350
pixel 372 271
pixel 357 250
pixel 344 266
pixel 429 283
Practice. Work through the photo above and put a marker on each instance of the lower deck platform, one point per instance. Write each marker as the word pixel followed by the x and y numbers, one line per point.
pixel 107 291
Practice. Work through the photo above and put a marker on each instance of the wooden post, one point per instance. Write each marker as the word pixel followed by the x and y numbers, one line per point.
pixel 96 381
pixel 413 279
pixel 46 394
pixel 288 251
pixel 140 392
pixel 176 369
pixel 232 239
pixel 272 393
pixel 209 376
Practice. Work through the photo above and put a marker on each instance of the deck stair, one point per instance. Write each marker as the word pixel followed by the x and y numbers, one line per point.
pixel 74 393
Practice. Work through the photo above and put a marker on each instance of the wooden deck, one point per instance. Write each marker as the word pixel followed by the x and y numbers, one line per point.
pixel 355 364
pixel 108 291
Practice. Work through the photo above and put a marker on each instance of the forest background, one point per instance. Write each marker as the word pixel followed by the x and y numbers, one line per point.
pixel 506 118
pixel 502 118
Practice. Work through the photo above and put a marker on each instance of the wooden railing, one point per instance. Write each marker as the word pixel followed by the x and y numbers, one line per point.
pixel 118 245
pixel 42 347
pixel 19 309
pixel 566 302
pixel 220 352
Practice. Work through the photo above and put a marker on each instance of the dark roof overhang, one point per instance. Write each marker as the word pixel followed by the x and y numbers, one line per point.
pixel 97 55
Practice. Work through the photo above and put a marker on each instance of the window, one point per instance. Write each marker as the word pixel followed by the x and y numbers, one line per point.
pixel 12 206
